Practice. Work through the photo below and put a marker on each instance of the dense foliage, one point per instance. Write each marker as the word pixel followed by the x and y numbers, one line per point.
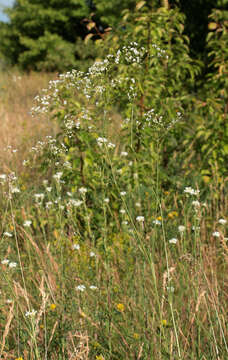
pixel 46 35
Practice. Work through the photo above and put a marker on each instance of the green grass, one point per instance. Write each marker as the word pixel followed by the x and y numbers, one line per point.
pixel 99 279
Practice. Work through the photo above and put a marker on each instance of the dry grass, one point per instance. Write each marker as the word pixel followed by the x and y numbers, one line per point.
pixel 19 131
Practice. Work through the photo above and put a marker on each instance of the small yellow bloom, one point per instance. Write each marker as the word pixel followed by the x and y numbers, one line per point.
pixel 20 358
pixel 166 192
pixel 120 307
pixel 53 307
pixel 164 322
pixel 136 336
pixel 159 218
pixel 172 214
pixel 100 357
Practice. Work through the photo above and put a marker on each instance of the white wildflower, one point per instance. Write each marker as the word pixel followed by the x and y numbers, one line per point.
pixel 122 211
pixel 92 254
pixel 80 287
pixel 30 313
pixel 82 190
pixel 216 234
pixel 75 203
pixel 92 287
pixel 76 247
pixel 57 176
pixel 12 264
pixel 191 191
pixel 15 190
pixel 125 222
pixel 27 223
pixel 49 204
pixel 196 203
pixel 6 233
pixel 101 141
pixel 124 153
pixel 123 193
pixel 39 197
pixel 181 228
pixel 173 241
pixel 222 221
pixel 140 218
pixel 106 200
pixel 5 262
pixel 157 222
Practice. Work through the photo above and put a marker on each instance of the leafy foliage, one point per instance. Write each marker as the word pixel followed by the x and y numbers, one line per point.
pixel 41 34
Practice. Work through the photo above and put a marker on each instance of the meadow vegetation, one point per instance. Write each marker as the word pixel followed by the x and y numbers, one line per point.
pixel 114 209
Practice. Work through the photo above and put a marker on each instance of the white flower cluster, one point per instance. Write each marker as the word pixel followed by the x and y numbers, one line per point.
pixel 191 191
pixel 101 141
pixel 83 288
pixel 9 263
pixel 130 54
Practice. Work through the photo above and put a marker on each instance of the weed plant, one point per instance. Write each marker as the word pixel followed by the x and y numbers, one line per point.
pixel 102 259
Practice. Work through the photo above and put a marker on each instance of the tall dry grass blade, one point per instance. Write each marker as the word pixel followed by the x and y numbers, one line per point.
pixel 7 328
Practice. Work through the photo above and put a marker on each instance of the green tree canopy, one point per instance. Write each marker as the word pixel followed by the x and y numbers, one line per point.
pixel 41 33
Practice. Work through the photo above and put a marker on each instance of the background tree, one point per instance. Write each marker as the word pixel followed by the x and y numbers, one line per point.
pixel 41 33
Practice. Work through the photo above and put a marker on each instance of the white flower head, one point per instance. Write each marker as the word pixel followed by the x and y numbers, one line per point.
pixel 82 190
pixel 15 190
pixel 140 218
pixel 8 234
pixel 124 153
pixel 125 222
pixel 76 247
pixel 58 176
pixel 39 197
pixel 92 287
pixel 181 228
pixel 123 193
pixel 92 254
pixel 30 313
pixel 12 264
pixel 106 200
pixel 80 288
pixel 222 221
pixel 122 211
pixel 216 234
pixel 196 203
pixel 173 241
pixel 191 191
pixel 157 222
pixel 49 204
pixel 27 223
pixel 5 262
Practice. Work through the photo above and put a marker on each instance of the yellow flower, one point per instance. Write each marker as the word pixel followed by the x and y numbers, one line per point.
pixel 53 307
pixel 100 357
pixel 120 307
pixel 172 214
pixel 20 358
pixel 159 218
pixel 164 322
pixel 136 336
